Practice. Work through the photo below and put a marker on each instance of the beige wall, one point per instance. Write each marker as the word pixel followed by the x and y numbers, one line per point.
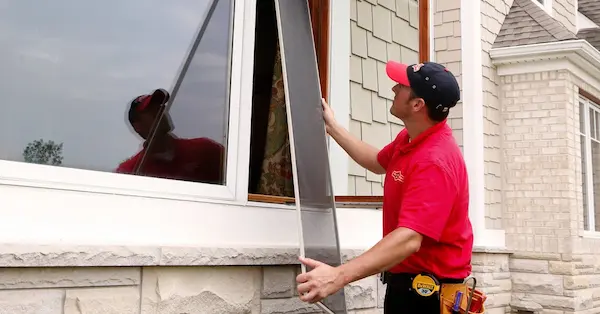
pixel 380 31
pixel 553 263
pixel 447 48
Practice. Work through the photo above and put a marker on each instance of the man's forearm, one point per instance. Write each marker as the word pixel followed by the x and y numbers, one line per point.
pixel 387 253
pixel 364 154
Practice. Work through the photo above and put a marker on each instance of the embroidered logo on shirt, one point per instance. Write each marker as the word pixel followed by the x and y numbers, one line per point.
pixel 397 176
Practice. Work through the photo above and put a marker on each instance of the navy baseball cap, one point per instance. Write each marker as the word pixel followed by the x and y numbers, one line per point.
pixel 431 81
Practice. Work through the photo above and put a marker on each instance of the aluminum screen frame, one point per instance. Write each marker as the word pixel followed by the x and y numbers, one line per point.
pixel 315 201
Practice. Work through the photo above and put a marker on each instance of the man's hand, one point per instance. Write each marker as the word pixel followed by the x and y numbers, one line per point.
pixel 328 115
pixel 318 283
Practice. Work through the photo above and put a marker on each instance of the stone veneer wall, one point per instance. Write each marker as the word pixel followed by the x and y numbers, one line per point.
pixel 196 289
pixel 168 290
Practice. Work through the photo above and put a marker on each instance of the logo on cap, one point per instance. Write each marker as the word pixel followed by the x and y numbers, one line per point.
pixel 417 67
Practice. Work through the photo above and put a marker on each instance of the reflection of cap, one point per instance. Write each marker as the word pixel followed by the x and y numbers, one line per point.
pixel 431 81
pixel 144 102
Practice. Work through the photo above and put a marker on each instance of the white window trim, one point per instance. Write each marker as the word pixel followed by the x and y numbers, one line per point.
pixel 339 89
pixel 588 104
pixel 52 177
pixel 546 6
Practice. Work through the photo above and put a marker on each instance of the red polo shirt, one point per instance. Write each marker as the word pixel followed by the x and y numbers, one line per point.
pixel 426 190
pixel 197 159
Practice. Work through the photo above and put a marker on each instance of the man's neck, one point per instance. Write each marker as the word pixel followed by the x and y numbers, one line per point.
pixel 414 128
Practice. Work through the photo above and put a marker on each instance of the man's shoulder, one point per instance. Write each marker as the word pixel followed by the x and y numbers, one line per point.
pixel 128 165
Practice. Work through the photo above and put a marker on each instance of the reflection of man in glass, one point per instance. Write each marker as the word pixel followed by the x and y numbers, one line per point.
pixel 164 154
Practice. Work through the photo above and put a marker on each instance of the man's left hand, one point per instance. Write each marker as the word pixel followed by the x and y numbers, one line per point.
pixel 318 283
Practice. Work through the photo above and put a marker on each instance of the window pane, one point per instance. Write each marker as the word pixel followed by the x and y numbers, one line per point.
pixel 584 182
pixel 197 119
pixel 596 123
pixel 596 182
pixel 72 68
pixel 592 123
pixel 582 117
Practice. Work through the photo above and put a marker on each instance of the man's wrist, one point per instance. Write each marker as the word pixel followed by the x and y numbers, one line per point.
pixel 334 129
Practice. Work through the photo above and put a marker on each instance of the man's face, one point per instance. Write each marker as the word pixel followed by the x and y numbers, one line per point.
pixel 143 124
pixel 403 107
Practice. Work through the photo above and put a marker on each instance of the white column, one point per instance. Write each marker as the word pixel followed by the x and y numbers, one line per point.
pixel 473 133
pixel 339 88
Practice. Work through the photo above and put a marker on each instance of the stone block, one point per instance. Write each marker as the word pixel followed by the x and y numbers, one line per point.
pixel 381 288
pixel 367 311
pixel 540 283
pixel 362 294
pixel 228 289
pixel 24 278
pixel 31 301
pixel 113 300
pixel 287 306
pixel 529 266
pixel 278 282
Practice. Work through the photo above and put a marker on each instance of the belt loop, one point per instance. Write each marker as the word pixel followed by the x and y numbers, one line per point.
pixel 384 277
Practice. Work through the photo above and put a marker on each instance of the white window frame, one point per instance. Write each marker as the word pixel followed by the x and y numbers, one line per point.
pixel 589 177
pixel 237 147
pixel 547 5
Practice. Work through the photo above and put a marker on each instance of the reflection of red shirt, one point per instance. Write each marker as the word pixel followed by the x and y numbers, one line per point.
pixel 198 159
pixel 426 190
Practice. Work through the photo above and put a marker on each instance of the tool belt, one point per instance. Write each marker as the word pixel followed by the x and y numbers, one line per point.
pixel 454 295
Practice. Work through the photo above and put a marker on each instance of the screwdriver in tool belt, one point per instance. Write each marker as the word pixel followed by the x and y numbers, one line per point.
pixel 456 306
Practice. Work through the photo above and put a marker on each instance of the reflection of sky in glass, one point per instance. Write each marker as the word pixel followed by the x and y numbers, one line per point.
pixel 70 67
pixel 192 104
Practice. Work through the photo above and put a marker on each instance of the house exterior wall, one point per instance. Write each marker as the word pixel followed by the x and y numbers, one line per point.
pixel 380 31
pixel 553 263
pixel 157 290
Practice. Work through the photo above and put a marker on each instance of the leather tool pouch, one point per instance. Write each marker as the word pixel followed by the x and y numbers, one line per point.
pixel 448 298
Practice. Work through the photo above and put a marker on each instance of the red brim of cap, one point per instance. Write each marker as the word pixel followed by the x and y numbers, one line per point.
pixel 157 98
pixel 397 72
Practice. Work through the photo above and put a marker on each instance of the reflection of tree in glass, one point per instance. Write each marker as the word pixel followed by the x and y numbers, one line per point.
pixel 42 152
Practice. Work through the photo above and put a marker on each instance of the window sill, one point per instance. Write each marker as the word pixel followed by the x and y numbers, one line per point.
pixel 52 228
pixel 591 234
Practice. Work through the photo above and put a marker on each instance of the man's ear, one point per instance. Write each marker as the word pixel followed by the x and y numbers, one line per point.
pixel 418 104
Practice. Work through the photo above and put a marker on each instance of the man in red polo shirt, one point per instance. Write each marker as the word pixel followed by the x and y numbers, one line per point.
pixel 164 154
pixel 426 226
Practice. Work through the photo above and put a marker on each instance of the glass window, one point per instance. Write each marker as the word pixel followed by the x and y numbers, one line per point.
pixel 75 74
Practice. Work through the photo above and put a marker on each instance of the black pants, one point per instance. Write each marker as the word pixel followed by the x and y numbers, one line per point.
pixel 401 299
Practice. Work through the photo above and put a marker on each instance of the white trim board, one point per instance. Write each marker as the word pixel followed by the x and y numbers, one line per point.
pixel 339 89
pixel 473 127
pixel 577 56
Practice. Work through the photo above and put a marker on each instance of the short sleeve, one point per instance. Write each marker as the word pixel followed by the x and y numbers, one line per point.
pixel 385 154
pixel 428 200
